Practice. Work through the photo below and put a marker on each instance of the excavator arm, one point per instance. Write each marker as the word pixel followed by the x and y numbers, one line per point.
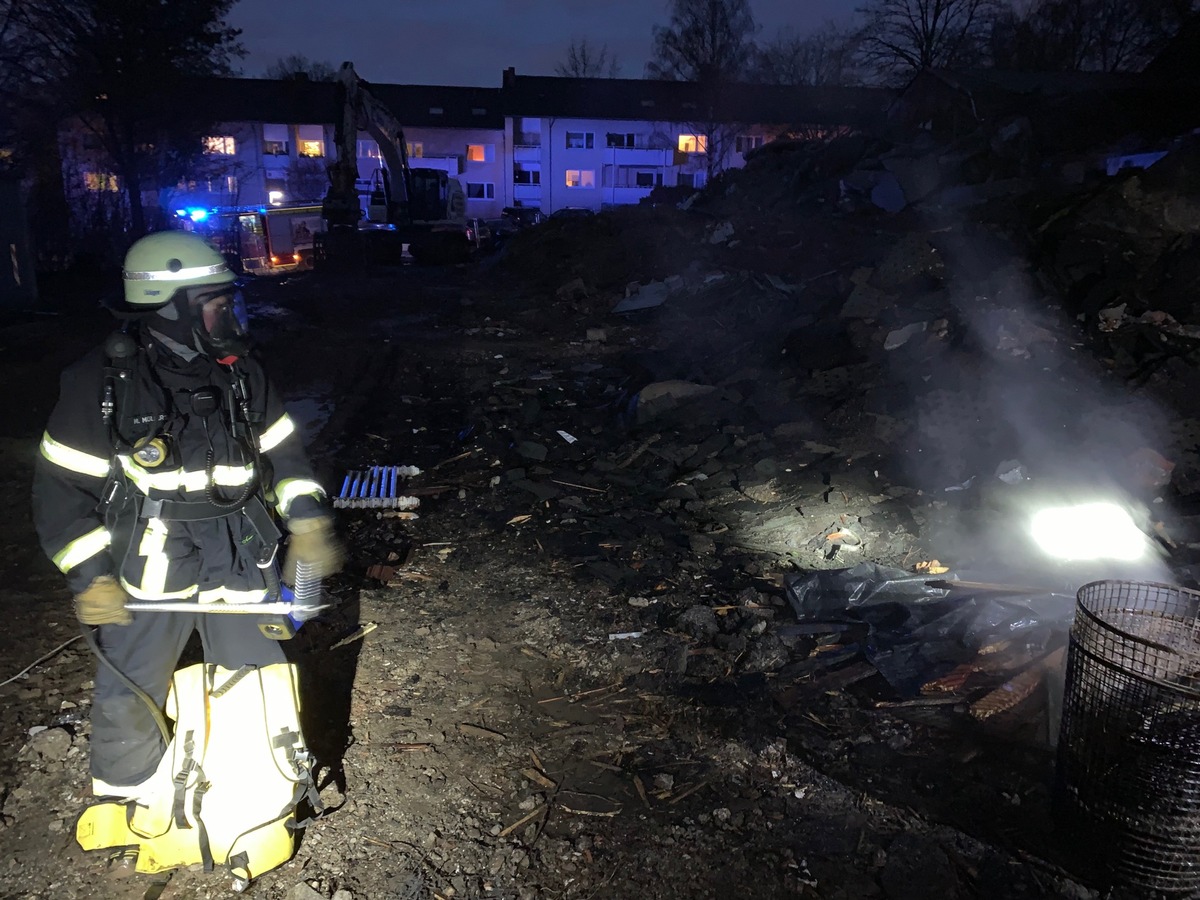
pixel 363 112
pixel 426 207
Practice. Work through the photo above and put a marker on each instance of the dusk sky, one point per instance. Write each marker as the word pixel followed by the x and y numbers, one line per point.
pixel 471 42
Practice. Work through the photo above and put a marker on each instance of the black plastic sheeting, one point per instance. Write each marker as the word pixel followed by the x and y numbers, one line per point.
pixel 916 632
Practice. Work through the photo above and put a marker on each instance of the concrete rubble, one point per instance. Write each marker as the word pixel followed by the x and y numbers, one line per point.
pixel 722 526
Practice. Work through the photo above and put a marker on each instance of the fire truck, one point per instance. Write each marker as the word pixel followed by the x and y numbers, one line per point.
pixel 259 240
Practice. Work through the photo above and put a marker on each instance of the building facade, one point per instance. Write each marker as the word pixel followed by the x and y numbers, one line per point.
pixel 541 142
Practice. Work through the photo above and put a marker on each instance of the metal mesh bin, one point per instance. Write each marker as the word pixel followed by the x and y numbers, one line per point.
pixel 1128 779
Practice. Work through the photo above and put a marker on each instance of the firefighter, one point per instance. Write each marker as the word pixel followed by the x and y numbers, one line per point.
pixel 163 469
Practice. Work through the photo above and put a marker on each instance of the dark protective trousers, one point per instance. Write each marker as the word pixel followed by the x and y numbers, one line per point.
pixel 126 744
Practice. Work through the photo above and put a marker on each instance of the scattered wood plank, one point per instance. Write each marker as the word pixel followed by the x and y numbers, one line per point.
pixel 524 820
pixel 1008 695
pixel 687 792
pixel 605 814
pixel 539 777
pixel 480 732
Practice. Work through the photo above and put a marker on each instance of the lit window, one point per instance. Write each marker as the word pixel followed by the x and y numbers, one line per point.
pixel 693 143
pixel 312 148
pixel 580 140
pixel 368 150
pixel 581 178
pixel 231 184
pixel 416 149
pixel 478 153
pixel 481 190
pixel 275 197
pixel 100 181
pixel 222 145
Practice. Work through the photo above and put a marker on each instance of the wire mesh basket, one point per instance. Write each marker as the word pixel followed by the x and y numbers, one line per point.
pixel 1128 779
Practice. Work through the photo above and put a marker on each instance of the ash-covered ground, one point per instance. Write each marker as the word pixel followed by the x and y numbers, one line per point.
pixel 596 662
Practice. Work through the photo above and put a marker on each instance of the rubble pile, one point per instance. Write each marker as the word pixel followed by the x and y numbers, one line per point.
pixel 715 535
pixel 875 349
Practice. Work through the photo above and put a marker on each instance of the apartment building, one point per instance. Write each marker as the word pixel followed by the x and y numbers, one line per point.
pixel 537 141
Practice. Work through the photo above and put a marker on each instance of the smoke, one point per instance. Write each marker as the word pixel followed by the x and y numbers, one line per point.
pixel 1014 408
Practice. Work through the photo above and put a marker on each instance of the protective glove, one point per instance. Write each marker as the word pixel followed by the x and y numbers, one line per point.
pixel 103 603
pixel 313 542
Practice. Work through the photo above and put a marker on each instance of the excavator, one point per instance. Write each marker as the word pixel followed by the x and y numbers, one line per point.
pixel 423 210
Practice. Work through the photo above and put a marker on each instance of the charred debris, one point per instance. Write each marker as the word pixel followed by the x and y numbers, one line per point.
pixel 803 415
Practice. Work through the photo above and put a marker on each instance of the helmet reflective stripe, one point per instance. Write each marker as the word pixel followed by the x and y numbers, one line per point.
pixel 81 549
pixel 179 275
pixel 276 434
pixel 157 265
pixel 73 460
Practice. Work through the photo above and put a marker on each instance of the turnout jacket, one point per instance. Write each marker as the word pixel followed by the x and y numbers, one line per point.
pixel 93 502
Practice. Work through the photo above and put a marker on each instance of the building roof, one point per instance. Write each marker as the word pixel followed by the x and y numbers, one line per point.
pixel 419 105
pixel 301 101
pixel 681 101
pixel 295 101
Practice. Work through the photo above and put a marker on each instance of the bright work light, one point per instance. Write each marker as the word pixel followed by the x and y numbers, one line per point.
pixel 1088 531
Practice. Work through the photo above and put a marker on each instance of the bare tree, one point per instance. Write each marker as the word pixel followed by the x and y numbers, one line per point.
pixel 825 56
pixel 706 40
pixel 1098 35
pixel 584 60
pixel 899 37
pixel 121 69
pixel 298 67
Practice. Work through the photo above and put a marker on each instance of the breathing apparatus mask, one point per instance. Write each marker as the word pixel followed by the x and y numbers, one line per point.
pixel 210 319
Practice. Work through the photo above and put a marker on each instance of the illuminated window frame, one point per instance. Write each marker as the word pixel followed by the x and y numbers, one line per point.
pixel 101 181
pixel 480 153
pixel 693 143
pixel 220 145
pixel 314 149
pixel 581 178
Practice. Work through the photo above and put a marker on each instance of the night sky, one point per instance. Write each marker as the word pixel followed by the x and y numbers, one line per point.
pixel 471 42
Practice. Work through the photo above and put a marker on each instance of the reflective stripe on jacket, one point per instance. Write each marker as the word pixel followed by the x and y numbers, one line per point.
pixel 210 559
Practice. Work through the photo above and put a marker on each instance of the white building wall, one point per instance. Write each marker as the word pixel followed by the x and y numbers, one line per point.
pixel 484 179
pixel 567 166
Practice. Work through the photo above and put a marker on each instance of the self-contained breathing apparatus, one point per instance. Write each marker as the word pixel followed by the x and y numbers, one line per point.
pixel 286 607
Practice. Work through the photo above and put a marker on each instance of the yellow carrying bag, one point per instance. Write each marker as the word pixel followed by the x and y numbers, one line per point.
pixel 226 790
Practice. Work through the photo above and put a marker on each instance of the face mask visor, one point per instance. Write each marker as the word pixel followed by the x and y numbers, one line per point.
pixel 219 319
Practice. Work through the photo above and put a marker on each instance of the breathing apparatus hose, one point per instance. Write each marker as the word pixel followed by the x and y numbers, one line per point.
pixel 89 637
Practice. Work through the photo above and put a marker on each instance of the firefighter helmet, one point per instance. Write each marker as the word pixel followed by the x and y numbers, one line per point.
pixel 158 265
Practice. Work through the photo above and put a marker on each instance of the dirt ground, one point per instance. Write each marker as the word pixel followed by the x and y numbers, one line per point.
pixel 576 675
